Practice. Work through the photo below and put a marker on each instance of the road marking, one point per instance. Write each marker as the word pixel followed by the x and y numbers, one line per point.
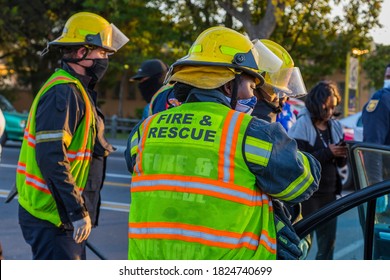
pixel 116 184
pixel 106 205
pixel 114 175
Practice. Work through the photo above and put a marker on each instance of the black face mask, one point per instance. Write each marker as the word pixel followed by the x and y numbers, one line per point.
pixel 149 87
pixel 98 69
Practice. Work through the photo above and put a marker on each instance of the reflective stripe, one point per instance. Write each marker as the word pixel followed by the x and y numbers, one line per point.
pixel 300 184
pixel 228 145
pixel 200 234
pixel 33 180
pixel 30 138
pixel 257 151
pixel 202 186
pixel 138 163
pixel 47 136
pixel 79 155
pixel 134 144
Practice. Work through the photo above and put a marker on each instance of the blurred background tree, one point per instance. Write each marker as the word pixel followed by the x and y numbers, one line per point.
pixel 317 40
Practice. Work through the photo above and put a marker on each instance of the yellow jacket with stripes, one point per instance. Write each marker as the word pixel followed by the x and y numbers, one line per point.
pixel 203 181
pixel 34 194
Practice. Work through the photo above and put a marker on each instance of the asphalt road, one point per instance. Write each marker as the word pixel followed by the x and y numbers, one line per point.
pixel 109 238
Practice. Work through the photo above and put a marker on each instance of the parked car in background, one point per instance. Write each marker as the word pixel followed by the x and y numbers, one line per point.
pixel 15 122
pixel 363 217
pixel 353 127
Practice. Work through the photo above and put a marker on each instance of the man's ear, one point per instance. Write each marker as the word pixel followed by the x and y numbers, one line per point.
pixel 82 52
pixel 228 88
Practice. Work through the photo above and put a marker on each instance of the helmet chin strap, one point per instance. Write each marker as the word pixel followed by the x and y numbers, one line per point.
pixel 77 60
pixel 236 81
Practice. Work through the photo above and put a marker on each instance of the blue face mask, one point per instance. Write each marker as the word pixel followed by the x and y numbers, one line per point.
pixel 245 105
pixel 386 83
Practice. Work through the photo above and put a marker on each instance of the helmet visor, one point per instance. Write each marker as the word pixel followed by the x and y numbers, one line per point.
pixel 267 60
pixel 110 38
pixel 287 81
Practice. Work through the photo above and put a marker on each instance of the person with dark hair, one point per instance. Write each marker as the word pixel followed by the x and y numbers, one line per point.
pixel 376 129
pixel 62 161
pixel 204 173
pixel 150 77
pixel 316 132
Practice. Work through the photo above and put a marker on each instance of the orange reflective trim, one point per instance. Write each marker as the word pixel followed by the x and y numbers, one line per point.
pixel 222 146
pixel 79 155
pixel 201 180
pixel 234 145
pixel 202 229
pixel 190 227
pixel 141 146
pixel 267 244
pixel 198 191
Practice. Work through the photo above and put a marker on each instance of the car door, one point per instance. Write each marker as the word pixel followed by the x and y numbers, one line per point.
pixel 363 214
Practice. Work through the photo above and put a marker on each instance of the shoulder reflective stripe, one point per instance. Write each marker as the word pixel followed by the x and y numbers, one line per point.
pixel 202 186
pixel 134 144
pixel 257 151
pixel 47 136
pixel 145 129
pixel 200 234
pixel 228 145
pixel 300 184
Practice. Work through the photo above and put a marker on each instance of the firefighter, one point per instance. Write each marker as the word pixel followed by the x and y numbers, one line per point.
pixel 62 160
pixel 205 172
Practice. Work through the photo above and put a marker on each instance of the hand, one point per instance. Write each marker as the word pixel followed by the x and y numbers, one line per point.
pixel 338 151
pixel 287 240
pixel 82 229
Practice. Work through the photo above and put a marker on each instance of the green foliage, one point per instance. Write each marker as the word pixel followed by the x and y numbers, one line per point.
pixel 375 65
pixel 165 29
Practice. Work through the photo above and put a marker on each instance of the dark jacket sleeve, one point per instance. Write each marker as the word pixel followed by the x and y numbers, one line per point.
pixel 60 110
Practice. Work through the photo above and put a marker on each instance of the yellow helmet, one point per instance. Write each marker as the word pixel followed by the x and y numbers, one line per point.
pixel 288 79
pixel 86 28
pixel 222 47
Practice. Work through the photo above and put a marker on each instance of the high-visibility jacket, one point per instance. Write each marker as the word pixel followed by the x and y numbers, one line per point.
pixel 34 194
pixel 193 195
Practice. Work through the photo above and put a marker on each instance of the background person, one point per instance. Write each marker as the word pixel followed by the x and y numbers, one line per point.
pixel 197 168
pixel 316 132
pixel 150 77
pixel 376 129
pixel 62 160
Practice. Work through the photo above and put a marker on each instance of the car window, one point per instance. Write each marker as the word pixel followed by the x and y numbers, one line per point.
pixel 349 238
pixel 362 217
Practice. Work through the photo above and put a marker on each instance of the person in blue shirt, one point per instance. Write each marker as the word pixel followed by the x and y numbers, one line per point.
pixel 376 129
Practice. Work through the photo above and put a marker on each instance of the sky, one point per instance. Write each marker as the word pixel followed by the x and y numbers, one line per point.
pixel 382 35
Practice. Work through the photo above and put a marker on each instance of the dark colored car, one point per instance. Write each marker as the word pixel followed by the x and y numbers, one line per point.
pixel 363 214
pixel 15 122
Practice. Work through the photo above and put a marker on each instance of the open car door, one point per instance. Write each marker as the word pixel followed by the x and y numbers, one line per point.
pixel 363 215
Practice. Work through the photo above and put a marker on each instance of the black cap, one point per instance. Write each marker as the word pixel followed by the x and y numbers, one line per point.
pixel 150 68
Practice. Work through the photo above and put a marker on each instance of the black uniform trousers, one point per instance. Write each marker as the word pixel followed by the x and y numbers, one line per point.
pixel 47 241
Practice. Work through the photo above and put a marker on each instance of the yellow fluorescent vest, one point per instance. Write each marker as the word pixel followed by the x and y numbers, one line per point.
pixel 193 196
pixel 34 194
